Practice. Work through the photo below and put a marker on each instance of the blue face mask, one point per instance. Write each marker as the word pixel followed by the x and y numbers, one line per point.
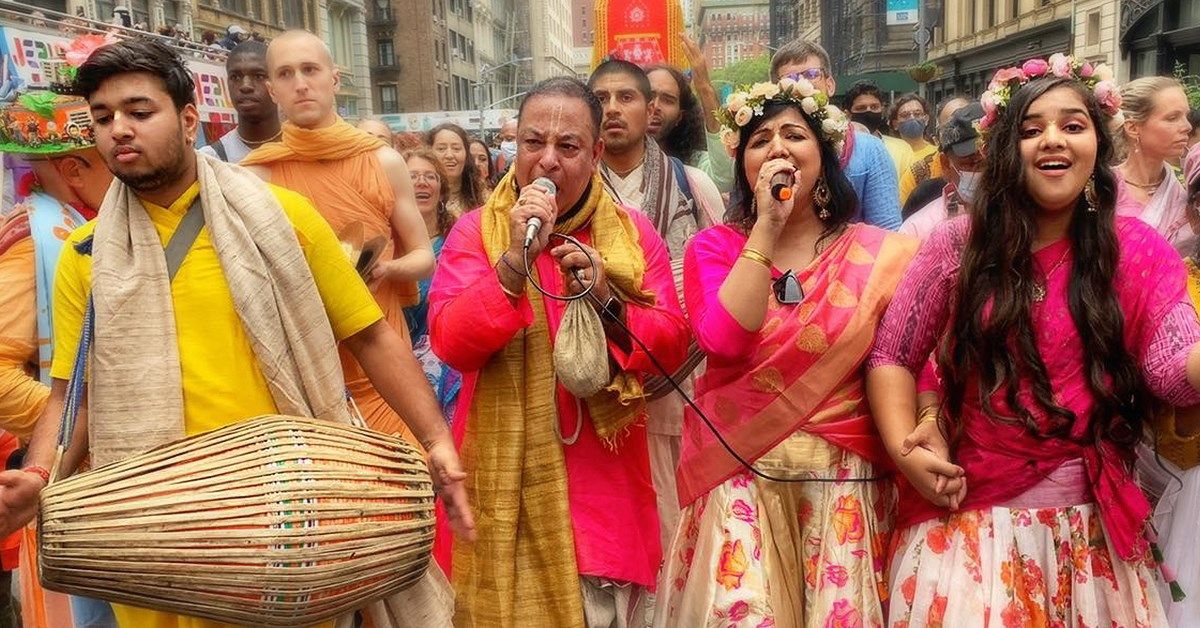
pixel 912 129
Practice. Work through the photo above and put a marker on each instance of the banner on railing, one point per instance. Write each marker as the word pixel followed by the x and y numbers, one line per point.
pixel 23 65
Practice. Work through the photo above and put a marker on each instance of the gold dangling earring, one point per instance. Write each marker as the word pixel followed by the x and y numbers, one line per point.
pixel 1089 195
pixel 821 198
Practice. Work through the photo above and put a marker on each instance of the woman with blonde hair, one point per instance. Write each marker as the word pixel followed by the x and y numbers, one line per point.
pixel 1154 134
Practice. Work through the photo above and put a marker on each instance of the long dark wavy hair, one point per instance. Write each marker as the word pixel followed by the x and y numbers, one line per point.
pixel 843 203
pixel 687 136
pixel 469 187
pixel 991 333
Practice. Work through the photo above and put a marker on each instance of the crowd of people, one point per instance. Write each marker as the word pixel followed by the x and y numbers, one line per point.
pixel 673 361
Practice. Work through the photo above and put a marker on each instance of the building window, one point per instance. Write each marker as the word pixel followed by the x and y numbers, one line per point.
pixel 1015 9
pixel 339 35
pixel 234 6
pixel 383 12
pixel 388 99
pixel 1093 28
pixel 293 14
pixel 1189 13
pixel 387 52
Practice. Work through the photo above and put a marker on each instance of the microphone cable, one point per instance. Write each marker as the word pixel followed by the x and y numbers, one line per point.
pixel 587 292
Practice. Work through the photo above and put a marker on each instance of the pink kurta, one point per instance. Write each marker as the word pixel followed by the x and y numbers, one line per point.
pixel 612 500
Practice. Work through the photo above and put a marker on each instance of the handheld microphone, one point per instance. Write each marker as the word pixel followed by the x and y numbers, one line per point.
pixel 781 185
pixel 535 224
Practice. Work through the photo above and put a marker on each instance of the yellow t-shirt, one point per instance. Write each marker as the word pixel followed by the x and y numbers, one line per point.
pixel 922 160
pixel 900 152
pixel 222 383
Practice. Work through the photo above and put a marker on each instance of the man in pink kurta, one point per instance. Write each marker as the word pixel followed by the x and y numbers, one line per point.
pixel 474 317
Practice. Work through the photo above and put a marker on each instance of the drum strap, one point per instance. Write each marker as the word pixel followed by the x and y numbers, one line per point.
pixel 184 237
pixel 175 251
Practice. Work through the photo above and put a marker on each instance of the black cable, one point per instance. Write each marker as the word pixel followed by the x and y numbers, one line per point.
pixel 587 292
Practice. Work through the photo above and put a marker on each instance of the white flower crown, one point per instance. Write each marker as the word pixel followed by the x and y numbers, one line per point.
pixel 749 101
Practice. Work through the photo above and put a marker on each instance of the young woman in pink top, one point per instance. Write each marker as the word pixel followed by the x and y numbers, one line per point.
pixel 784 298
pixel 1060 323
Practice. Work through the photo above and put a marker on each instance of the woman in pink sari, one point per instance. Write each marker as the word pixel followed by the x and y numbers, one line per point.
pixel 784 299
pixel 1154 135
pixel 1061 321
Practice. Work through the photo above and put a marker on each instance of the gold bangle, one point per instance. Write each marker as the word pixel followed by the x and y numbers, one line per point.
pixel 928 413
pixel 756 256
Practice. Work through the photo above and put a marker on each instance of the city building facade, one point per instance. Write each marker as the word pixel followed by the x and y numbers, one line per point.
pixel 972 38
pixel 734 30
pixel 1156 36
pixel 862 46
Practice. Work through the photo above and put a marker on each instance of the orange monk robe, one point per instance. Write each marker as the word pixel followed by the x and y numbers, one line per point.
pixel 337 169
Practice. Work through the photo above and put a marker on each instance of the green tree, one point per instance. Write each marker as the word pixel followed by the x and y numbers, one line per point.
pixel 744 72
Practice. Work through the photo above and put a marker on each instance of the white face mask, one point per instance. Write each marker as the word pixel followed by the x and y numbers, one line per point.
pixel 968 182
pixel 509 149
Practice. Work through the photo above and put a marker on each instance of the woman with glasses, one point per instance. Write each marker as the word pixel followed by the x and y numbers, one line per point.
pixel 784 299
pixel 431 189
pixel 1059 323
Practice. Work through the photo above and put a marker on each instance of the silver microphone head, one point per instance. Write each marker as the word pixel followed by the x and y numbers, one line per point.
pixel 549 186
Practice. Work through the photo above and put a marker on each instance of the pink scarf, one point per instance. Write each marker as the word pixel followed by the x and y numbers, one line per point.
pixel 806 372
pixel 1004 461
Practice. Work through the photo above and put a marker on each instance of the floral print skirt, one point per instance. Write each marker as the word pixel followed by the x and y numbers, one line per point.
pixel 1018 567
pixel 755 553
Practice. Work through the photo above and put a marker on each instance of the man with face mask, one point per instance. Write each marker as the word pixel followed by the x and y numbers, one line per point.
pixel 928 168
pixel 865 102
pixel 508 145
pixel 961 153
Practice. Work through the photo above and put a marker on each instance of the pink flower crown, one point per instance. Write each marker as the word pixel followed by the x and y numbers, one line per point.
pixel 1098 78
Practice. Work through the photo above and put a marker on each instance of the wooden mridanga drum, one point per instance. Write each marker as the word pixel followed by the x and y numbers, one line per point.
pixel 279 521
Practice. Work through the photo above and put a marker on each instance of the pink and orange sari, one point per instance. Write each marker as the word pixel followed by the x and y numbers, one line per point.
pixel 789 397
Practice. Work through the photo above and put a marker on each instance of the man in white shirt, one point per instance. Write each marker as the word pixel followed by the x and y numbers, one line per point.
pixel 258 117
pixel 680 200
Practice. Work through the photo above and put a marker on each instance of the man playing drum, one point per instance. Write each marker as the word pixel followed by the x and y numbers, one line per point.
pixel 241 321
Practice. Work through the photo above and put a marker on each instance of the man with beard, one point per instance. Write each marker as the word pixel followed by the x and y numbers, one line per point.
pixel 676 119
pixel 198 322
pixel 353 178
pixel 258 118
pixel 679 200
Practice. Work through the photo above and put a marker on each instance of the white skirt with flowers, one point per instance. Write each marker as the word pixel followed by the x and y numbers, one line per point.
pixel 1019 567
